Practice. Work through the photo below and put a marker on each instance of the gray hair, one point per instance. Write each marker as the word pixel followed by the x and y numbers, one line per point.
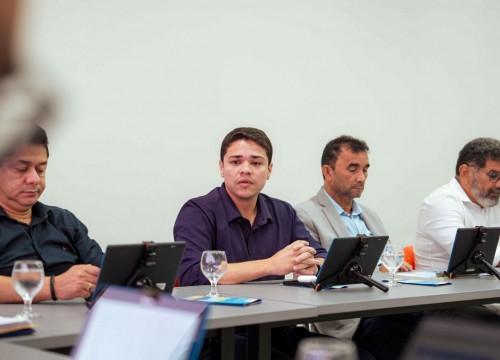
pixel 476 152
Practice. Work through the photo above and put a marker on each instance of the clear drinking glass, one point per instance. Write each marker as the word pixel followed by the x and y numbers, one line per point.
pixel 326 349
pixel 213 265
pixel 27 278
pixel 392 258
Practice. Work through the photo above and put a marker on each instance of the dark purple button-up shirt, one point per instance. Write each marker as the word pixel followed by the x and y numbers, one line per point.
pixel 212 222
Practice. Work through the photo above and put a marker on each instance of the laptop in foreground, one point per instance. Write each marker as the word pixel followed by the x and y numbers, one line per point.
pixel 128 323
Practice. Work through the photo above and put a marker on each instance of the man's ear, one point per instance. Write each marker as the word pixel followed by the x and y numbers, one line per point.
pixel 327 171
pixel 465 173
pixel 270 168
pixel 221 168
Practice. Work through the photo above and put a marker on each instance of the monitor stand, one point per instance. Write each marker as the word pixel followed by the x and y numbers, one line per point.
pixel 475 258
pixel 138 279
pixel 354 270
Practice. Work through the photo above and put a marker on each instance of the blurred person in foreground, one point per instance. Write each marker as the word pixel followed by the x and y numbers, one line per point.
pixel 25 95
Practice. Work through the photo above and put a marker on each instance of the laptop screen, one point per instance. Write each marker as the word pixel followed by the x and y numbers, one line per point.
pixel 127 324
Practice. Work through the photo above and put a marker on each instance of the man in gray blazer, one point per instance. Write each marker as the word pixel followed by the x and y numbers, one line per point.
pixel 325 223
pixel 334 213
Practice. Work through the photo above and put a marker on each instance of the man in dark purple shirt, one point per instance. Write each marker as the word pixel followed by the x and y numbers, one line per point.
pixel 214 222
pixel 263 238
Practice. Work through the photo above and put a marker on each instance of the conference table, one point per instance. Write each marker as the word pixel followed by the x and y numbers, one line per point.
pixel 61 322
pixel 354 301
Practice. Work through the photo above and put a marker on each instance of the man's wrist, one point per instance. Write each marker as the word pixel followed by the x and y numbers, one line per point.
pixel 52 288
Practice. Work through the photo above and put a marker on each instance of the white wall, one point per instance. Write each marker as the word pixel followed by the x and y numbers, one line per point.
pixel 150 88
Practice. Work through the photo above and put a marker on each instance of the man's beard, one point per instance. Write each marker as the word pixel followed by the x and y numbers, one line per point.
pixel 482 197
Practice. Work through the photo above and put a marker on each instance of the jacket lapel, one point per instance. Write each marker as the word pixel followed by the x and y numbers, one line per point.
pixel 332 215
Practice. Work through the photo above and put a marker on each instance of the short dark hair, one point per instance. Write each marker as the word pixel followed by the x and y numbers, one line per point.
pixel 476 152
pixel 247 133
pixel 334 147
pixel 38 136
pixel 34 135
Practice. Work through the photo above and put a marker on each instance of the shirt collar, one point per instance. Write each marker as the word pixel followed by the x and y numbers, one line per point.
pixel 39 212
pixel 356 209
pixel 460 192
pixel 232 212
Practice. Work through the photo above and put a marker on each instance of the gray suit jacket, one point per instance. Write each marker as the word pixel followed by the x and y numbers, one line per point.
pixel 324 223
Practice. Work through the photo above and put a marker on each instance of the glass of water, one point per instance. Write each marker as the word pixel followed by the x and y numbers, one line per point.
pixel 213 265
pixel 392 258
pixel 326 349
pixel 27 278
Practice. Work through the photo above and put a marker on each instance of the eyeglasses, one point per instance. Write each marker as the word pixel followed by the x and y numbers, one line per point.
pixel 494 176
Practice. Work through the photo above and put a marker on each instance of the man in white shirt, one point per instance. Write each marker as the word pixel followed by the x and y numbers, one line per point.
pixel 470 199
